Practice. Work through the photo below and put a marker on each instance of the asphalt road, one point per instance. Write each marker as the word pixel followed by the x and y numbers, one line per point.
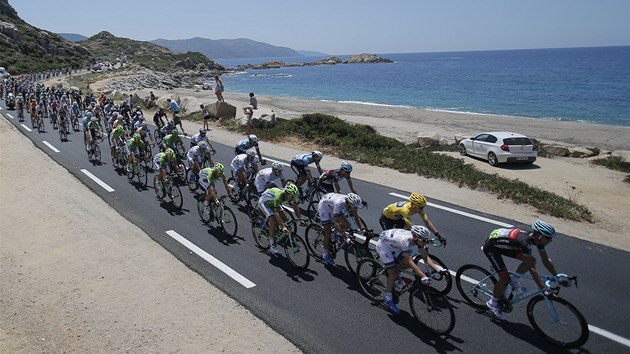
pixel 321 309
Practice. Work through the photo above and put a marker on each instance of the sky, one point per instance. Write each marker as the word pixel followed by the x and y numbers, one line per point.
pixel 347 26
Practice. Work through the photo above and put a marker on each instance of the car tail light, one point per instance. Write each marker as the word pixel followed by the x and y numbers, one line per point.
pixel 505 147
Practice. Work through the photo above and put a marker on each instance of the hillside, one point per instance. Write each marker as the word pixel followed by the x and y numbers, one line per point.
pixel 227 48
pixel 24 48
pixel 106 47
pixel 73 37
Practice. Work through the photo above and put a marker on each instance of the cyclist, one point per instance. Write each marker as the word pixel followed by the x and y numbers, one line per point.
pixel 264 178
pixel 199 137
pixel 270 202
pixel 517 243
pixel 398 215
pixel 242 164
pixel 394 249
pixel 332 210
pixel 164 161
pixel 207 177
pixel 134 147
pixel 116 138
pixel 157 118
pixel 329 180
pixel 246 144
pixel 196 155
pixel 167 128
pixel 144 132
pixel 93 129
pixel 172 141
pixel 299 165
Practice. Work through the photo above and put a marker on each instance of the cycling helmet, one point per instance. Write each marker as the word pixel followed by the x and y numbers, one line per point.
pixel 93 119
pixel 346 167
pixel 170 153
pixel 317 155
pixel 291 189
pixel 171 123
pixel 354 200
pixel 253 138
pixel 219 167
pixel 543 228
pixel 137 137
pixel 418 200
pixel 420 232
pixel 251 152
pixel 89 114
pixel 203 145
pixel 277 166
pixel 175 132
pixel 202 131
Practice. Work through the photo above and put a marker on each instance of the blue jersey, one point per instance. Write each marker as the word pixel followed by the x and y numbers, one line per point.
pixel 302 159
pixel 245 144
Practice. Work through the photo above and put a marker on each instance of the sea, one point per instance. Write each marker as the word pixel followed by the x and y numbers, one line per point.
pixel 575 84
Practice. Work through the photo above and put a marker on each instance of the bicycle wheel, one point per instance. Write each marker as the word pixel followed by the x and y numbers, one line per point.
pixel 191 180
pixel 475 284
pixel 234 196
pixel 158 187
pixel 204 214
pixel 558 321
pixel 129 169
pixel 259 231
pixel 40 125
pixel 141 173
pixel 315 240
pixel 312 213
pixel 97 153
pixel 228 222
pixel 175 196
pixel 372 278
pixel 432 309
pixel 181 175
pixel 157 136
pixel 251 205
pixel 442 282
pixel 75 125
pixel 354 254
pixel 296 251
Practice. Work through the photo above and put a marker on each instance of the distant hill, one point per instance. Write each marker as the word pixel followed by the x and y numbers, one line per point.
pixel 104 46
pixel 24 48
pixel 310 53
pixel 227 48
pixel 73 37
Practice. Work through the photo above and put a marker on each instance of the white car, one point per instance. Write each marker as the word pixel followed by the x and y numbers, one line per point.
pixel 499 147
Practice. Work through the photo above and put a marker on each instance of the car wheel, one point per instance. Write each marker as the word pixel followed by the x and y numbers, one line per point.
pixel 462 150
pixel 492 159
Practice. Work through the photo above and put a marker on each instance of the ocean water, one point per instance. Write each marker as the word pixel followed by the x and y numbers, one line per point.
pixel 576 84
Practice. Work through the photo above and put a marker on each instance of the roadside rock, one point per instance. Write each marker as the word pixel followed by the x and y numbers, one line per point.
pixel 581 152
pixel 623 154
pixel 556 150
pixel 221 110
pixel 431 139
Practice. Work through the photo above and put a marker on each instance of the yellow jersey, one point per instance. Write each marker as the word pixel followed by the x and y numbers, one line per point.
pixel 402 210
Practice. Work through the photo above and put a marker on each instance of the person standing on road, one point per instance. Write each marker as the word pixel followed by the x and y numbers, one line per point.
pixel 175 108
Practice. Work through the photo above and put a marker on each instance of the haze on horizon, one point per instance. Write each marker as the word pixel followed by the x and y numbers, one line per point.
pixel 350 26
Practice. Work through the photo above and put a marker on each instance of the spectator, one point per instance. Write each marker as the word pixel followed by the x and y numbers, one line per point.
pixel 218 88
pixel 206 117
pixel 175 108
pixel 253 101
pixel 249 112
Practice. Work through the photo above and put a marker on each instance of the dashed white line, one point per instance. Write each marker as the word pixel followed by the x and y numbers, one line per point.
pixel 609 335
pixel 463 213
pixel 10 116
pixel 25 127
pixel 50 146
pixel 97 180
pixel 210 259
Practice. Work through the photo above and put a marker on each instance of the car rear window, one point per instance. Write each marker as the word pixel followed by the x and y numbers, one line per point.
pixel 517 141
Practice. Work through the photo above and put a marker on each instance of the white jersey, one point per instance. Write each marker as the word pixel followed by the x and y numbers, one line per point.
pixel 240 161
pixel 264 176
pixel 194 154
pixel 330 206
pixel 391 243
pixel 197 138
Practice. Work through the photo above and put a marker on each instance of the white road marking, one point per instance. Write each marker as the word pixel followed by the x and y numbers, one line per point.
pixel 455 211
pixel 10 116
pixel 25 127
pixel 210 259
pixel 50 146
pixel 97 180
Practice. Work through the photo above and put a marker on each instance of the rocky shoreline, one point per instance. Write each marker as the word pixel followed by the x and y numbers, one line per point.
pixel 363 58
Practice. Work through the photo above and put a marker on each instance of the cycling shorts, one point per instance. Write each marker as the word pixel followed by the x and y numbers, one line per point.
pixel 387 223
